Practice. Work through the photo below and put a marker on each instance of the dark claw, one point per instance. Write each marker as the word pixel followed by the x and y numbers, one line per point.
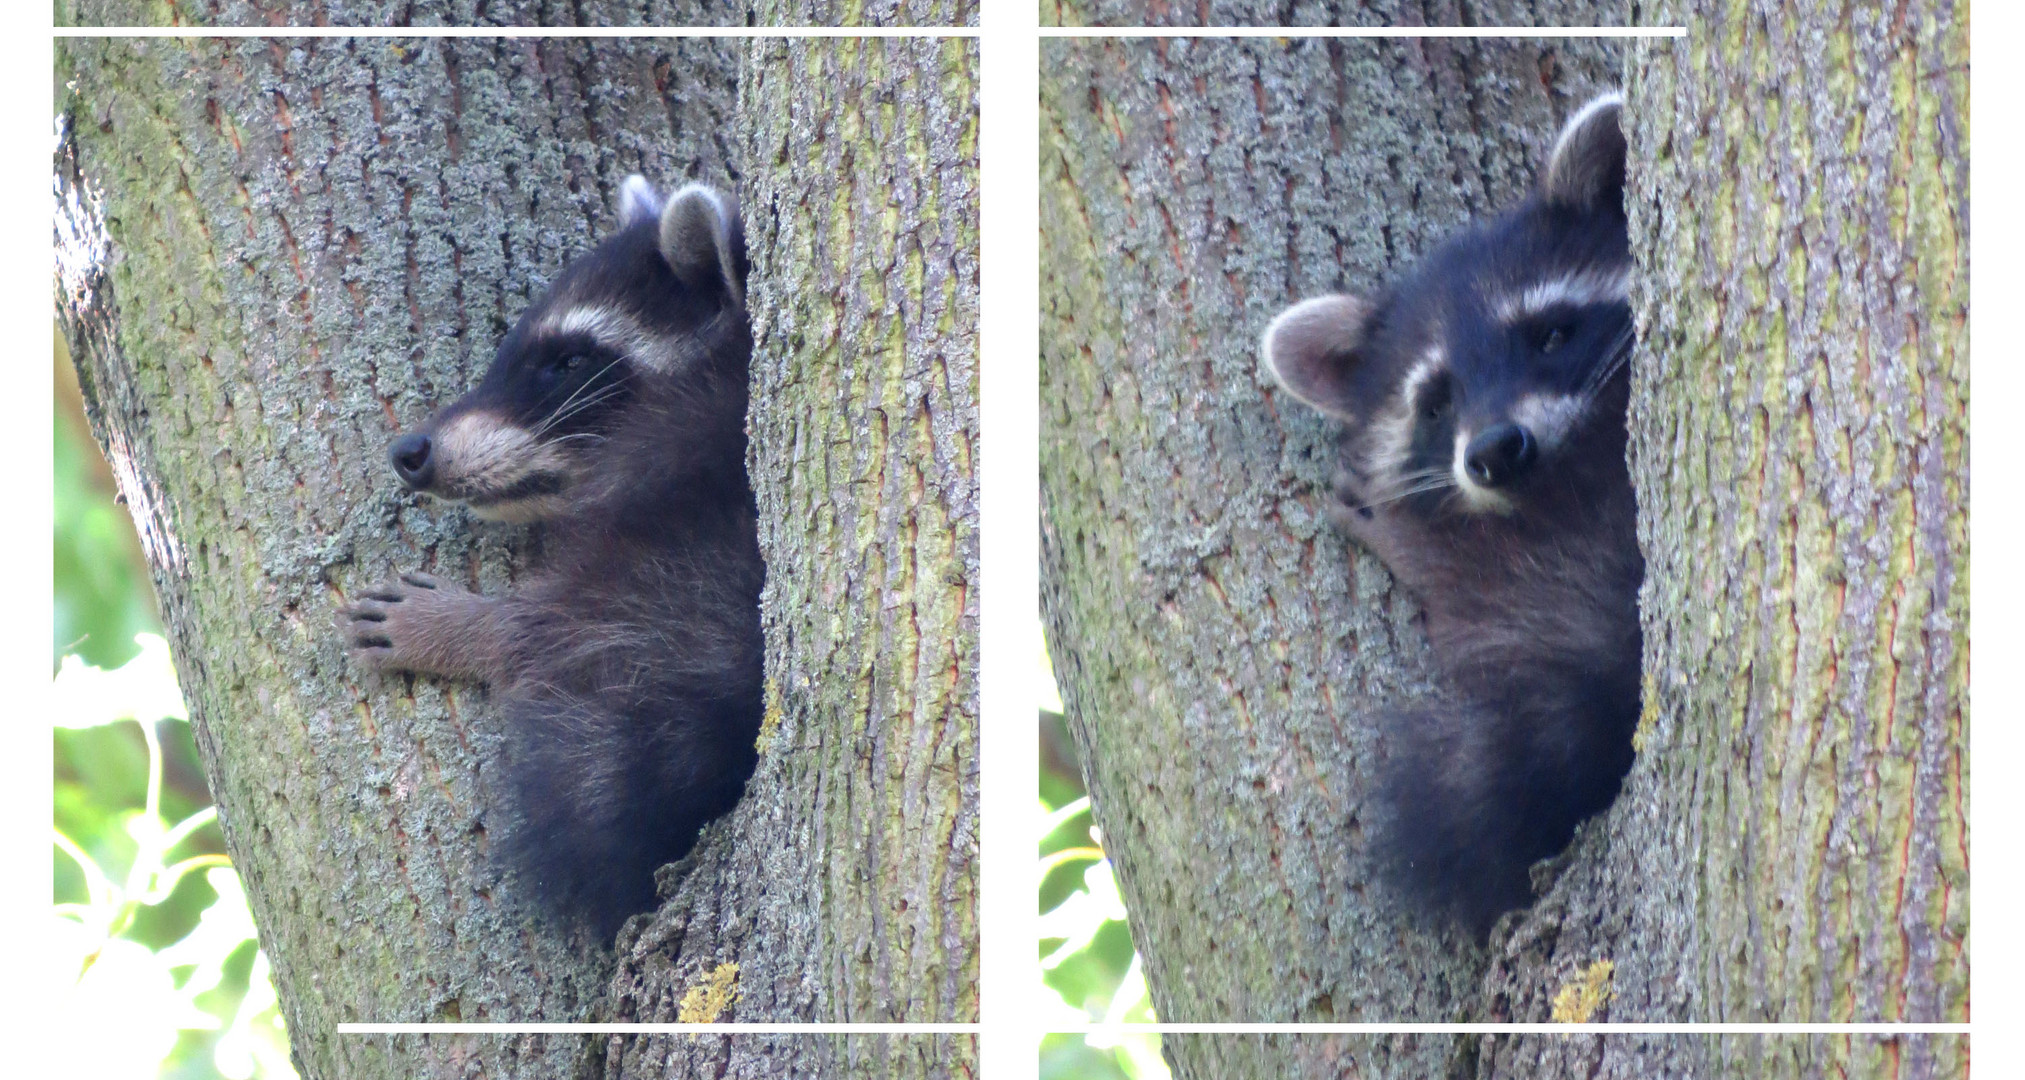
pixel 1348 489
pixel 360 609
pixel 379 634
pixel 1348 496
pixel 1346 517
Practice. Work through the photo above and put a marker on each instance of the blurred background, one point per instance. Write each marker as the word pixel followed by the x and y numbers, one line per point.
pixel 160 974
pixel 1090 973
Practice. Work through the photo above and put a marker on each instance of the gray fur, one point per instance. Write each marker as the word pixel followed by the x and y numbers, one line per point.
pixel 629 664
pixel 699 238
pixel 1483 399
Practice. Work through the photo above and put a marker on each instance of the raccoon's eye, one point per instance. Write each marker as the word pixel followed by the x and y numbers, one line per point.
pixel 1435 399
pixel 1553 338
pixel 565 364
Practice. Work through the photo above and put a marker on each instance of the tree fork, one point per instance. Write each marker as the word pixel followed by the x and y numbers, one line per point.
pixel 276 253
pixel 1792 843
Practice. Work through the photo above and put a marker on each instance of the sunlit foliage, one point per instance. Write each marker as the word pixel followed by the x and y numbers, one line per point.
pixel 157 970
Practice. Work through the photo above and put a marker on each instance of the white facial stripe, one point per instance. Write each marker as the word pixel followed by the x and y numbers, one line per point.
pixel 1392 430
pixel 609 326
pixel 615 330
pixel 1429 366
pixel 1475 496
pixel 1548 416
pixel 1579 289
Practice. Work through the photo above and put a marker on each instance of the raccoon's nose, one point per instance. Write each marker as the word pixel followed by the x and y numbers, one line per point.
pixel 412 461
pixel 1499 455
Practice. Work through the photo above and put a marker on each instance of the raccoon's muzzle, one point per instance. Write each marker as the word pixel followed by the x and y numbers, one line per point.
pixel 1500 455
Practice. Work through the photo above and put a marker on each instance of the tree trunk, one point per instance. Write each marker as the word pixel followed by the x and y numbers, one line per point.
pixel 1800 446
pixel 1126 13
pixel 1214 640
pixel 1684 1056
pixel 852 894
pixel 275 254
pixel 558 13
pixel 1792 843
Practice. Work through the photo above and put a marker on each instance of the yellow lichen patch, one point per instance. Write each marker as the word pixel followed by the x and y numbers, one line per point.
pixel 1577 1002
pixel 707 1000
pixel 769 722
pixel 1648 716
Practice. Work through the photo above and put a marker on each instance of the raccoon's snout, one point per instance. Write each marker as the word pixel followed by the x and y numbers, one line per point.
pixel 1500 455
pixel 413 460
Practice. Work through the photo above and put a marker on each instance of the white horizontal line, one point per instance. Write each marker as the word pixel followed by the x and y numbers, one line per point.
pixel 659 1029
pixel 1364 31
pixel 517 32
pixel 1163 1029
pixel 1517 1029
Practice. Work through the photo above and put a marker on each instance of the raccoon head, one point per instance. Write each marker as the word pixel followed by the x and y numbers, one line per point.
pixel 1478 381
pixel 650 302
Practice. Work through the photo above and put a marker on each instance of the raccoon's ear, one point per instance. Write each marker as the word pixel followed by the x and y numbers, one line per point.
pixel 1310 350
pixel 1585 170
pixel 638 201
pixel 703 241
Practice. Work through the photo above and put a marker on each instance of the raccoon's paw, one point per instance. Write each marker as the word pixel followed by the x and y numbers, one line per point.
pixel 396 625
pixel 1351 490
pixel 1349 507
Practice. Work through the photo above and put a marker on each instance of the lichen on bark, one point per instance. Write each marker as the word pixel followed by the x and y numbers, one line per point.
pixel 546 13
pixel 862 215
pixel 1218 645
pixel 280 252
pixel 1792 843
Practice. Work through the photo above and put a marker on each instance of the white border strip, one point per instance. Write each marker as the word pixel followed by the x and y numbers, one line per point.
pixel 1364 32
pixel 1163 1029
pixel 866 32
pixel 1008 470
pixel 659 1029
pixel 518 32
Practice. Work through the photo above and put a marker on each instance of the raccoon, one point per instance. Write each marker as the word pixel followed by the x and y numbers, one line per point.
pixel 629 665
pixel 1483 401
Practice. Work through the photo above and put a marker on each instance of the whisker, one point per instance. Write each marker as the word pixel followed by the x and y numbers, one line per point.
pixel 582 403
pixel 563 411
pixel 573 406
pixel 1418 489
pixel 1418 476
pixel 1615 359
pixel 1610 353
pixel 560 439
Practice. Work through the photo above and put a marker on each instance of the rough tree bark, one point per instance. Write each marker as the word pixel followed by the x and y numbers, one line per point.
pixel 1684 1056
pixel 862 201
pixel 275 254
pixel 1800 445
pixel 1792 843
pixel 1124 13
pixel 557 13
pixel 1214 639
